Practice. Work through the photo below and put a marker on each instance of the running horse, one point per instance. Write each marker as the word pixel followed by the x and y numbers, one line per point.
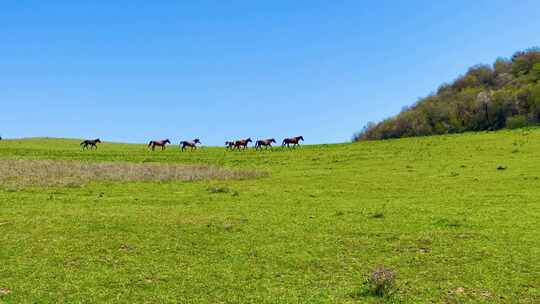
pixel 92 143
pixel 242 143
pixel 161 143
pixel 264 142
pixel 295 141
pixel 191 144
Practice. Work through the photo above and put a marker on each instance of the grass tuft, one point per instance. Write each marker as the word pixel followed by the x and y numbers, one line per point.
pixel 381 281
pixel 378 215
pixel 218 190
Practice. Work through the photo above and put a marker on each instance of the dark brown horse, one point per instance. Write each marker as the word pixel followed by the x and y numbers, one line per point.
pixel 191 144
pixel 295 141
pixel 264 142
pixel 92 143
pixel 229 144
pixel 242 143
pixel 161 143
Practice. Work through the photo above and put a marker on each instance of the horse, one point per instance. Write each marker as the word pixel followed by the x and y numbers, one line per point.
pixel 191 144
pixel 264 142
pixel 162 143
pixel 229 144
pixel 292 140
pixel 242 143
pixel 92 143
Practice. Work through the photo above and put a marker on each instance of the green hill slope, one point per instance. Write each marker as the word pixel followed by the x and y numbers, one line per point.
pixel 455 216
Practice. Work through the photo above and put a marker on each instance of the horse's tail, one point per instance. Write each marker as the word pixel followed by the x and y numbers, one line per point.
pixel 82 143
pixel 284 142
pixel 150 143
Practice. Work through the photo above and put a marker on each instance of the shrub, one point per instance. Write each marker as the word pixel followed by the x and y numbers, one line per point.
pixel 515 122
pixel 381 281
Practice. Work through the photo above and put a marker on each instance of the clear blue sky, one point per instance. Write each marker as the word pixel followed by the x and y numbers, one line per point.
pixel 139 70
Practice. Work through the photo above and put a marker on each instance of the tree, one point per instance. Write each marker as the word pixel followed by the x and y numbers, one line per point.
pixel 486 97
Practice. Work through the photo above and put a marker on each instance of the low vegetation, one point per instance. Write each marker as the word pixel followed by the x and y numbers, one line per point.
pixel 442 216
pixel 488 97
pixel 381 281
pixel 69 173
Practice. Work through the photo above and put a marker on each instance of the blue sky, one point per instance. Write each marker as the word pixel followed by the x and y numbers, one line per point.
pixel 139 70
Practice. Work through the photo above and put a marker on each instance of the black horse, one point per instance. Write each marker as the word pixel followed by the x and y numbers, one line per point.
pixel 295 141
pixel 90 143
pixel 191 144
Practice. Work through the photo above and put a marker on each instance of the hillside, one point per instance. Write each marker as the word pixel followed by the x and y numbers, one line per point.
pixel 455 216
pixel 503 95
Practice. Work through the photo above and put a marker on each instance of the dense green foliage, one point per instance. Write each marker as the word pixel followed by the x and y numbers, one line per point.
pixel 455 217
pixel 506 94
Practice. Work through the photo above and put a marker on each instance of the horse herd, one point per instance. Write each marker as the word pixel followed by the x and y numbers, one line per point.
pixel 240 144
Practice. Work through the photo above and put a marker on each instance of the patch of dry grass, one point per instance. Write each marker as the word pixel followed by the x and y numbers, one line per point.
pixel 71 173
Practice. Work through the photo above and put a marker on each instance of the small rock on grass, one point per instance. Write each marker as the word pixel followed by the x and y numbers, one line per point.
pixel 5 291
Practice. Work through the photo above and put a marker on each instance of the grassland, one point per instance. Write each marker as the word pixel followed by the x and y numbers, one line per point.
pixel 457 217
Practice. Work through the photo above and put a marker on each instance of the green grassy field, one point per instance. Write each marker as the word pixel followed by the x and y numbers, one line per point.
pixel 457 217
